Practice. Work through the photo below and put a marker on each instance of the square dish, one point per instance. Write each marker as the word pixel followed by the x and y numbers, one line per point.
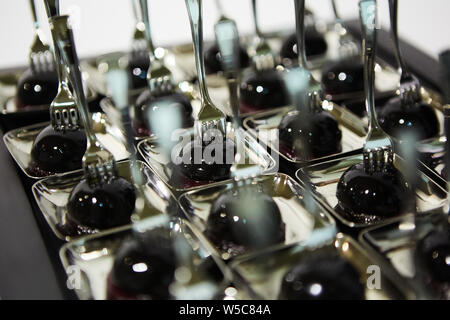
pixel 325 177
pixel 20 142
pixel 52 195
pixel 301 226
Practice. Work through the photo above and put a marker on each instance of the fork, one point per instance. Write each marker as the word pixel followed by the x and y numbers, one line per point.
pixel 378 148
pixel 227 38
pixel 41 57
pixel 63 109
pixel 409 88
pixel 98 163
pixel 347 47
pixel 262 55
pixel 159 77
pixel 210 117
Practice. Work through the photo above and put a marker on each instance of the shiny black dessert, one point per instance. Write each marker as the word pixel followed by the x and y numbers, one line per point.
pixel 315 45
pixel 398 119
pixel 144 267
pixel 213 59
pixel 36 88
pixel 104 206
pixel 148 105
pixel 366 197
pixel 235 230
pixel 322 277
pixel 201 163
pixel 434 253
pixel 57 151
pixel 343 76
pixel 137 67
pixel 262 90
pixel 320 134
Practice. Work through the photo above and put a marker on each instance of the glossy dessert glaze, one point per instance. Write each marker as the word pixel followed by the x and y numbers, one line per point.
pixel 343 76
pixel 322 277
pixel 203 161
pixel 366 197
pixel 320 134
pixel 147 105
pixel 137 67
pixel 36 88
pixel 213 59
pixel 244 219
pixel 261 90
pixel 102 207
pixel 143 268
pixel 315 45
pixel 398 119
pixel 57 151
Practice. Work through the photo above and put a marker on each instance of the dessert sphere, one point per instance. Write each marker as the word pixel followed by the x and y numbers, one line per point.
pixel 320 134
pixel 315 45
pixel 36 88
pixel 57 151
pixel 322 277
pixel 213 59
pixel 343 76
pixel 244 219
pixel 148 105
pixel 262 90
pixel 366 197
pixel 144 267
pixel 398 119
pixel 104 206
pixel 200 162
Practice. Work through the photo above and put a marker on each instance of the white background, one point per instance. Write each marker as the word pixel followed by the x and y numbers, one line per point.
pixel 107 25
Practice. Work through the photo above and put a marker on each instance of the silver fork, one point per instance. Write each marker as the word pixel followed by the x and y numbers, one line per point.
pixel 159 77
pixel 98 163
pixel 378 148
pixel 261 54
pixel 227 38
pixel 139 45
pixel 209 117
pixel 409 88
pixel 63 109
pixel 41 57
pixel 347 46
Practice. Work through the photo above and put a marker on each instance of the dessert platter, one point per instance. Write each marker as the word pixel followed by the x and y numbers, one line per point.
pixel 280 165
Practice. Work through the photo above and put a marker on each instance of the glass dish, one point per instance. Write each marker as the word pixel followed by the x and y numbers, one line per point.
pixel 153 155
pixel 301 225
pixel 264 272
pixel 264 127
pixel 325 177
pixel 94 256
pixel 52 195
pixel 20 141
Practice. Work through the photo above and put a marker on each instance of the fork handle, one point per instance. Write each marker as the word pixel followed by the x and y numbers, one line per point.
pixel 34 15
pixel 52 7
pixel 368 24
pixel 194 8
pixel 300 32
pixel 64 40
pixel 393 16
pixel 148 33
pixel 255 19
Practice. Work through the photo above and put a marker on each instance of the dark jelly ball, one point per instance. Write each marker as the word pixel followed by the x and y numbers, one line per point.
pixel 36 88
pixel 343 76
pixel 213 59
pixel 137 67
pixel 245 219
pixel 148 105
pixel 262 90
pixel 320 133
pixel 370 196
pixel 207 162
pixel 322 277
pixel 104 206
pixel 145 265
pixel 434 253
pixel 315 45
pixel 58 151
pixel 419 118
